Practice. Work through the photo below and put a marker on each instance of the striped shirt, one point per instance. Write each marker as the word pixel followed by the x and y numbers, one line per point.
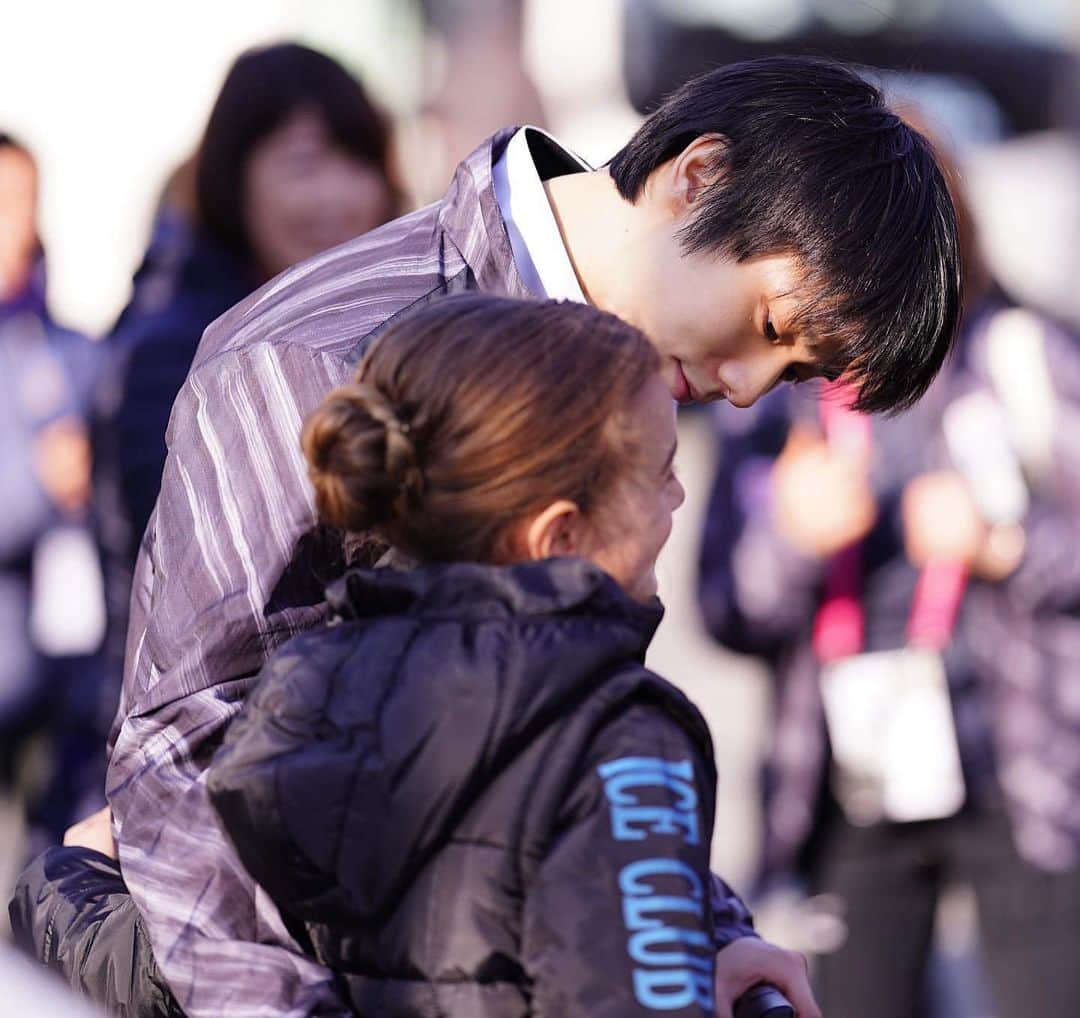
pixel 233 565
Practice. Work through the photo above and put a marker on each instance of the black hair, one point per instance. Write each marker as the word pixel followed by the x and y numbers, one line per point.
pixel 262 89
pixel 815 164
pixel 8 141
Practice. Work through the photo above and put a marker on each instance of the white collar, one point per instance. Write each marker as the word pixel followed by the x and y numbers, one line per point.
pixel 539 252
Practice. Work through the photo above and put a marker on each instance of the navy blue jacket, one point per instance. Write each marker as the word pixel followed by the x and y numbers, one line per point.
pixel 184 283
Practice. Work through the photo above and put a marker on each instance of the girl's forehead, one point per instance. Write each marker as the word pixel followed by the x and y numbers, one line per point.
pixel 653 416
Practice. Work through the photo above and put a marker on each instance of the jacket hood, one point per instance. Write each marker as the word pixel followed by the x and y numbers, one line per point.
pixel 471 591
pixel 371 739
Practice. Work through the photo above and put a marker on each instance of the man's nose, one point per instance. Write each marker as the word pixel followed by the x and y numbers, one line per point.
pixel 757 380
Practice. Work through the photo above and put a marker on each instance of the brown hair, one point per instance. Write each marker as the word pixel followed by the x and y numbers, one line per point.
pixel 470 414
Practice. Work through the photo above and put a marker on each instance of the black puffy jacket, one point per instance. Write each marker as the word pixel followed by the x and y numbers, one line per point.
pixel 470 798
pixel 72 912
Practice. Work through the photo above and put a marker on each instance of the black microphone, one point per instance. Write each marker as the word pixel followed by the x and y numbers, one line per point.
pixel 763 1001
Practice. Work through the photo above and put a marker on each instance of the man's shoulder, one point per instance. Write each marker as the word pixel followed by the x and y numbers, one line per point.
pixel 332 302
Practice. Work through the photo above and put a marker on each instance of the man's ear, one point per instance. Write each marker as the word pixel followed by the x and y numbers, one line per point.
pixel 693 170
pixel 557 530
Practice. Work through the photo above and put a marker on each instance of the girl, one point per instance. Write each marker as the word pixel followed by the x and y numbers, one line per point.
pixel 467 795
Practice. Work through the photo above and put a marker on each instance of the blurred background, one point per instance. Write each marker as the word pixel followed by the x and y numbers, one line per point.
pixel 112 99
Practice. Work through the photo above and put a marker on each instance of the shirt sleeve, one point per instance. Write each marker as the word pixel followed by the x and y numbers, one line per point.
pixel 623 917
pixel 732 920
pixel 229 570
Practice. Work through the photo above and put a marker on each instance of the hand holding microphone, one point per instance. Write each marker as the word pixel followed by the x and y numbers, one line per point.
pixel 756 979
pixel 763 1001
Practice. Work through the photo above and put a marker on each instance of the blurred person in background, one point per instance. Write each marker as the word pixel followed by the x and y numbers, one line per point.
pixel 912 585
pixel 743 274
pixel 294 159
pixel 483 41
pixel 50 605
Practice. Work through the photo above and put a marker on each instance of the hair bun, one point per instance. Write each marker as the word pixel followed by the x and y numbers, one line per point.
pixel 465 421
pixel 361 459
pixel 400 463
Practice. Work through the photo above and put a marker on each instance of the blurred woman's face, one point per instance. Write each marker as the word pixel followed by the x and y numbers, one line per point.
pixel 303 194
pixel 18 218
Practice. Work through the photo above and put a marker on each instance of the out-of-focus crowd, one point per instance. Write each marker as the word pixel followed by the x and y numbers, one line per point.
pixel 294 160
pixel 912 584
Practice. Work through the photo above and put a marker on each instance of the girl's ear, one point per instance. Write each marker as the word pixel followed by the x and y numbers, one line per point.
pixel 557 530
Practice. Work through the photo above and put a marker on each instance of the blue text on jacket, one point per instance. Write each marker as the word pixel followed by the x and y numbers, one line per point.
pixel 632 821
pixel 673 964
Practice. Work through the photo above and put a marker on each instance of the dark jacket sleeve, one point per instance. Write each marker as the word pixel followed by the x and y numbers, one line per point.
pixel 622 916
pixel 72 911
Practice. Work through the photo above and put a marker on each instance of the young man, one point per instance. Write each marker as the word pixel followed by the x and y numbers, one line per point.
pixel 770 222
pixel 815 509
